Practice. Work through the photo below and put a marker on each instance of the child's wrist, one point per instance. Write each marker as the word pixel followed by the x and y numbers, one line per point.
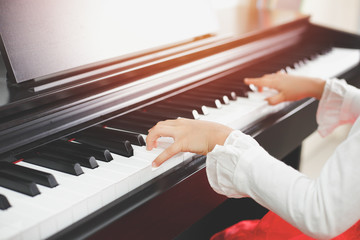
pixel 318 88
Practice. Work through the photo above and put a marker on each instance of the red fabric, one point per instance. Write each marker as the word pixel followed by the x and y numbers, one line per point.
pixel 270 227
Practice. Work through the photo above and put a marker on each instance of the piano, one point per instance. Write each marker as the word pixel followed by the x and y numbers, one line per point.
pixel 81 82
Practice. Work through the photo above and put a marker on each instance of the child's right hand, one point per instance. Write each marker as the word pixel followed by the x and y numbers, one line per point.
pixel 289 87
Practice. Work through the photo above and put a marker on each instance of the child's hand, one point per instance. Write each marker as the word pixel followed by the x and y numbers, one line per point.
pixel 189 136
pixel 290 88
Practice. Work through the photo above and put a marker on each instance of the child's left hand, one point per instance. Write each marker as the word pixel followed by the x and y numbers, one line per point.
pixel 189 136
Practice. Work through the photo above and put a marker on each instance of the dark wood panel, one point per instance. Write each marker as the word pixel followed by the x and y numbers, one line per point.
pixel 168 214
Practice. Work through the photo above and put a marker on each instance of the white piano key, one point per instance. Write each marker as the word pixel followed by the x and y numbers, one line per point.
pixel 12 232
pixel 331 64
pixel 139 167
pixel 15 224
pixel 29 213
pixel 237 114
pixel 131 173
pixel 97 192
pixel 162 144
pixel 120 179
pixel 72 190
pixel 49 201
pixel 149 156
pixel 104 187
pixel 100 184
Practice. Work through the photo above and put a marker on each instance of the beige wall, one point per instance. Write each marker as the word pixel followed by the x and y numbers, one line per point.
pixel 340 14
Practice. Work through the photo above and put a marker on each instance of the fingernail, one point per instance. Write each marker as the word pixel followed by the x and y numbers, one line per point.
pixel 154 164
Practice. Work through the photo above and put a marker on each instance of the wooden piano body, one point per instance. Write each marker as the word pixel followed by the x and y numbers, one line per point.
pixel 34 113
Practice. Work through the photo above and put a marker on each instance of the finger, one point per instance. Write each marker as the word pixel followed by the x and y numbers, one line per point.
pixel 265 81
pixel 249 81
pixel 278 98
pixel 169 122
pixel 151 145
pixel 156 132
pixel 166 154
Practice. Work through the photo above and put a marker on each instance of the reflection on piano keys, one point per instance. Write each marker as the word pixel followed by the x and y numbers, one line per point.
pixel 109 160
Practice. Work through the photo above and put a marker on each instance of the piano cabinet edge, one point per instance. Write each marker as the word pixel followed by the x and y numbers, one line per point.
pixel 290 132
pixel 178 209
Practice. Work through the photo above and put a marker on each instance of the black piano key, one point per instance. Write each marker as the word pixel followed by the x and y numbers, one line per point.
pixel 147 117
pixel 128 126
pixel 39 177
pixel 53 163
pixel 162 114
pixel 100 154
pixel 228 85
pixel 172 112
pixel 4 203
pixel 289 60
pixel 240 89
pixel 259 72
pixel 142 119
pixel 122 148
pixel 235 80
pixel 133 137
pixel 222 98
pixel 18 184
pixel 116 135
pixel 215 103
pixel 265 68
pixel 182 107
pixel 201 108
pixel 139 122
pixel 83 160
pixel 218 90
pixel 136 120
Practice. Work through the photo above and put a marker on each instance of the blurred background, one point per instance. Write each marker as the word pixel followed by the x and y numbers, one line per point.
pixel 343 15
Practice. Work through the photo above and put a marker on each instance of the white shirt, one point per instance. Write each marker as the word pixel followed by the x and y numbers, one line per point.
pixel 322 208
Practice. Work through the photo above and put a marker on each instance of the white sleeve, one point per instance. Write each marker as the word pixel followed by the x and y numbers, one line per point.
pixel 321 208
pixel 339 104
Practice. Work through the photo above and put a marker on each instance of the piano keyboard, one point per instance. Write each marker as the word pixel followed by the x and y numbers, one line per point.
pixel 59 184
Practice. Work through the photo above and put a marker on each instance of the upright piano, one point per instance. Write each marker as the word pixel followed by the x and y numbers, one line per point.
pixel 81 82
